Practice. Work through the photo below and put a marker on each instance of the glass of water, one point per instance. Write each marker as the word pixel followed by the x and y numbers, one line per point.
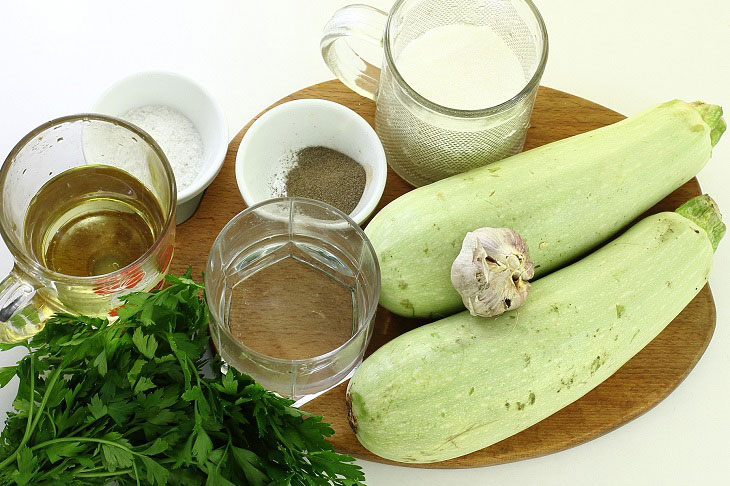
pixel 292 285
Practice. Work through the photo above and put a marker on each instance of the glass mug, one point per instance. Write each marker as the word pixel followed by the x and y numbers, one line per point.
pixel 425 141
pixel 88 145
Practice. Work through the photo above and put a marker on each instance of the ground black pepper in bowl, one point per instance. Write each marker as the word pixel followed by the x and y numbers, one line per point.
pixel 326 175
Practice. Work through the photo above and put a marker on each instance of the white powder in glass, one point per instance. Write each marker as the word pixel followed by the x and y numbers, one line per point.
pixel 461 66
pixel 176 135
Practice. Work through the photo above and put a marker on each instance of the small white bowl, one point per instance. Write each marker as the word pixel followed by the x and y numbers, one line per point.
pixel 266 148
pixel 190 99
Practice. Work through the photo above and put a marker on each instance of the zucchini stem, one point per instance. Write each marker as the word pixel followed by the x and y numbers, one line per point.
pixel 703 211
pixel 712 115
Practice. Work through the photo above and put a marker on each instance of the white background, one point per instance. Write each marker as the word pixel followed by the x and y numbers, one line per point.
pixel 57 57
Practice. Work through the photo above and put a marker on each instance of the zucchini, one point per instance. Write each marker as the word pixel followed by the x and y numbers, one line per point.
pixel 460 384
pixel 564 198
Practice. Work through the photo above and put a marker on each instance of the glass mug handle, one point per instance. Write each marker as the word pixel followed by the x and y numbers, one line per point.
pixel 350 67
pixel 20 314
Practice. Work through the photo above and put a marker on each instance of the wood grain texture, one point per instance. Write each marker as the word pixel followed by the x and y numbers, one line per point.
pixel 635 388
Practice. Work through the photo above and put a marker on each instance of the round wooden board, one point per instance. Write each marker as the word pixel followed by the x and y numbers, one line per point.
pixel 635 388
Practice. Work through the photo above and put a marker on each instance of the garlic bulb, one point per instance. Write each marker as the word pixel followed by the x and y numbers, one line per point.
pixel 492 270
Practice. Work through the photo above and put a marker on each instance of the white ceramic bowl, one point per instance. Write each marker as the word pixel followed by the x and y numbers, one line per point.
pixel 189 98
pixel 298 124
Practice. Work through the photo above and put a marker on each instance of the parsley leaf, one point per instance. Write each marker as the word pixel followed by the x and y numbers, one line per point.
pixel 156 474
pixel 6 374
pixel 97 407
pixel 147 345
pixel 63 449
pixel 100 363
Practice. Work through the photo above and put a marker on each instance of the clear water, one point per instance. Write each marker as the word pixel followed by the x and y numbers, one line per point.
pixel 291 300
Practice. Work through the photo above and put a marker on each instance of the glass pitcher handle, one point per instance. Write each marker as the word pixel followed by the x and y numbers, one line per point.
pixel 350 67
pixel 20 316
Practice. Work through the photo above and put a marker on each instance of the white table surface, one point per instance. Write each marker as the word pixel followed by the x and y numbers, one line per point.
pixel 56 57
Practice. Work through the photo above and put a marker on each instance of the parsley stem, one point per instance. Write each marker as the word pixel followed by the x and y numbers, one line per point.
pixel 223 456
pixel 29 424
pixel 31 400
pixel 51 422
pixel 84 439
pixel 56 469
pixel 49 388
pixel 134 429
pixel 84 426
pixel 136 473
pixel 102 474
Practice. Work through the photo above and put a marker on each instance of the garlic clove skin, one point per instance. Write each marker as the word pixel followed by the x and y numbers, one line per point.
pixel 492 270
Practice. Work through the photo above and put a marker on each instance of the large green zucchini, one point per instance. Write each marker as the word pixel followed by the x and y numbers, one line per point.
pixel 564 198
pixel 463 383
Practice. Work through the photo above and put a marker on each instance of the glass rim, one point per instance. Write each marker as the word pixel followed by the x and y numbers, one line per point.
pixel 213 309
pixel 21 257
pixel 455 112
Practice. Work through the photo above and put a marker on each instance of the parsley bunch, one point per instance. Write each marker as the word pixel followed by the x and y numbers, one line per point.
pixel 128 402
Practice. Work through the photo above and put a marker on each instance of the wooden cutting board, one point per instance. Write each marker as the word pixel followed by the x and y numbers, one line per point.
pixel 635 388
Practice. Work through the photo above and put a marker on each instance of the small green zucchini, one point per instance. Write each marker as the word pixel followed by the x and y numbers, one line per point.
pixel 460 384
pixel 564 198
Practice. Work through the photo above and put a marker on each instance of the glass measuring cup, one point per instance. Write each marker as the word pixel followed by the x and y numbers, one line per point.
pixel 423 140
pixel 32 292
pixel 292 286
